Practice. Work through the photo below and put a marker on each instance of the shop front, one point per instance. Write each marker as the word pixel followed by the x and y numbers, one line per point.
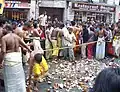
pixel 58 12
pixel 92 12
pixel 16 10
pixel 54 9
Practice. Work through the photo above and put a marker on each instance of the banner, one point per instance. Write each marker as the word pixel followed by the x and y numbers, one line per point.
pixel 1 6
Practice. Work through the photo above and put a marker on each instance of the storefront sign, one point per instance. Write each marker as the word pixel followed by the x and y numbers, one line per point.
pixel 16 4
pixel 93 7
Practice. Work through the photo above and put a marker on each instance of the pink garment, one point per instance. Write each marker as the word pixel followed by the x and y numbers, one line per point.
pixel 90 51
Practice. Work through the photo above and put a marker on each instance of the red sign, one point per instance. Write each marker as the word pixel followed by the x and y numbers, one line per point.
pixel 16 4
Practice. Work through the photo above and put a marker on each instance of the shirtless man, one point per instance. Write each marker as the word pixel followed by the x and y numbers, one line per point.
pixel 16 29
pixel 2 22
pixel 36 35
pixel 54 41
pixel 14 77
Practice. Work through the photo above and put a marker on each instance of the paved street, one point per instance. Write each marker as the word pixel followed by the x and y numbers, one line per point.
pixel 66 76
pixel 63 29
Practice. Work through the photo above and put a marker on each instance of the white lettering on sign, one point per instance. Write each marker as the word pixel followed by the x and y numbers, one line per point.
pixel 18 2
pixel 93 7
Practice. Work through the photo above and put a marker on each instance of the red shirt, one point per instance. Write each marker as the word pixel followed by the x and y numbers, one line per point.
pixel 42 35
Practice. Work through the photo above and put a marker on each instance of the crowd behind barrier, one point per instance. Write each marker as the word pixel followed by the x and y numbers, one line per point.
pixel 55 40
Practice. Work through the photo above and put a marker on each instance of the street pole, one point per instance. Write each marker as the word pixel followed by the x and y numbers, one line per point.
pixel 35 8
pixel 115 12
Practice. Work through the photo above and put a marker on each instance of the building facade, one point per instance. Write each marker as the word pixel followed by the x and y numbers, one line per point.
pixel 84 11
pixel 117 15
pixel 63 10
pixel 53 8
pixel 78 10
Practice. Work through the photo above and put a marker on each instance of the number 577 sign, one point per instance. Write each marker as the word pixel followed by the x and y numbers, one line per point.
pixel 2 4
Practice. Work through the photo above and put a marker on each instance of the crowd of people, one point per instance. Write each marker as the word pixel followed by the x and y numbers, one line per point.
pixel 53 40
pixel 68 41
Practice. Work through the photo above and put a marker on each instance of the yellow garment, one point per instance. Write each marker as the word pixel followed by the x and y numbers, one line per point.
pixel 55 48
pixel 2 4
pixel 40 69
pixel 59 40
pixel 115 38
pixel 48 46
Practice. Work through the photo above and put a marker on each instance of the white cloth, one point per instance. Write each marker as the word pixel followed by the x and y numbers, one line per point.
pixel 36 43
pixel 110 36
pixel 13 58
pixel 20 28
pixel 71 39
pixel 49 31
pixel 36 52
pixel 43 19
pixel 83 51
pixel 14 77
pixel 116 45
pixel 100 48
pixel 65 33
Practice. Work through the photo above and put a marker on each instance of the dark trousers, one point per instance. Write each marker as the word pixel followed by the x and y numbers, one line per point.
pixel 42 43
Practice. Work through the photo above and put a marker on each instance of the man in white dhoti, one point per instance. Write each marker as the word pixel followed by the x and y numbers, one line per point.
pixel 100 47
pixel 14 77
pixel 116 40
pixel 43 19
pixel 36 35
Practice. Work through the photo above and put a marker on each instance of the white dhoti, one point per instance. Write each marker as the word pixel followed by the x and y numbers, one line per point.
pixel 14 77
pixel 100 48
pixel 36 44
pixel 116 45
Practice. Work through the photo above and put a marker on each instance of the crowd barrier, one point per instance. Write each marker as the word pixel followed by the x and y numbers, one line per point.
pixel 31 38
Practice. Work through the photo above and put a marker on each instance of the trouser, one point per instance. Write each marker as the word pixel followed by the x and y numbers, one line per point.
pixel 90 51
pixel 55 48
pixel 68 53
pixel 106 49
pixel 71 54
pixel 83 51
pixel 42 43
pixel 65 53
pixel 48 54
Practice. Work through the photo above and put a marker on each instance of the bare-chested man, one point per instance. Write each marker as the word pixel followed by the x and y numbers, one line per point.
pixel 14 78
pixel 54 41
pixel 36 35
pixel 2 22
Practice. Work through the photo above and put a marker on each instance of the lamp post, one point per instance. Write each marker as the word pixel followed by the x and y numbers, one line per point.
pixel 35 7
pixel 115 11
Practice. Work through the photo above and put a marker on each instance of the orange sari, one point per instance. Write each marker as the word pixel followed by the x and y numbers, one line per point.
pixel 76 32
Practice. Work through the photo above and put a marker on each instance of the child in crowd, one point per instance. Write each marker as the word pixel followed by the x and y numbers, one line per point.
pixel 38 67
